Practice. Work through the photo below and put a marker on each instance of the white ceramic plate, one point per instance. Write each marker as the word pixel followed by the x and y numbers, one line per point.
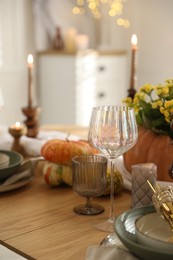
pixel 153 231
pixel 126 231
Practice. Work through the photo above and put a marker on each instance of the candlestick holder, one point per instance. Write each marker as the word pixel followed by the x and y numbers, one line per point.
pixel 131 92
pixel 31 122
pixel 17 132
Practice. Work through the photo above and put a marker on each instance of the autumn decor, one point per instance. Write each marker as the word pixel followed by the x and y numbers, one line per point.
pixel 153 106
pixel 57 174
pixel 62 151
pixel 57 167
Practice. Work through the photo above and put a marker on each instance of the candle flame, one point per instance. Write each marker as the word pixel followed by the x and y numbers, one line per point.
pixel 17 125
pixel 30 59
pixel 134 40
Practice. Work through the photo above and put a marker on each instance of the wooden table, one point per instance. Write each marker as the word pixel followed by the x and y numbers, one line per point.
pixel 40 221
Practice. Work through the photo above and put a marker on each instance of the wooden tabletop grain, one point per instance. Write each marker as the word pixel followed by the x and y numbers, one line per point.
pixel 40 221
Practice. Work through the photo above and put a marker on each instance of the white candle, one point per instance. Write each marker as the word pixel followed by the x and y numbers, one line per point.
pixel 17 126
pixel 134 42
pixel 17 129
pixel 82 41
pixel 70 40
pixel 30 67
pixel 133 65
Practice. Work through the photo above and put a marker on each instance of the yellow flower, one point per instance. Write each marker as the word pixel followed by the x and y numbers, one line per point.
pixel 148 88
pixel 153 107
pixel 127 100
pixel 168 103
pixel 157 104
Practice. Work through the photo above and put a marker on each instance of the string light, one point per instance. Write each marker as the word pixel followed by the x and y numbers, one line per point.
pixel 114 8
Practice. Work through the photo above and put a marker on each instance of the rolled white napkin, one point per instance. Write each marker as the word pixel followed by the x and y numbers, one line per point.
pixel 127 177
pixel 32 146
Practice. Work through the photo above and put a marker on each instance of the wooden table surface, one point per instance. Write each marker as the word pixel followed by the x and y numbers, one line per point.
pixel 40 221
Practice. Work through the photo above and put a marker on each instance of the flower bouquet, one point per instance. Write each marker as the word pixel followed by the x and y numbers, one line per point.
pixel 153 106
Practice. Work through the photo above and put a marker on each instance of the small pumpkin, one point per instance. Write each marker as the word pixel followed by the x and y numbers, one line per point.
pixel 62 151
pixel 118 182
pixel 154 148
pixel 52 174
pixel 56 174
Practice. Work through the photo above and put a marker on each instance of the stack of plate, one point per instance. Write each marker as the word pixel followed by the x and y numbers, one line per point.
pixel 4 160
pixel 11 161
pixel 145 233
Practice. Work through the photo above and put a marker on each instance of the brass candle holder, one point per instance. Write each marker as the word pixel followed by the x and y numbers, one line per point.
pixel 31 122
pixel 17 130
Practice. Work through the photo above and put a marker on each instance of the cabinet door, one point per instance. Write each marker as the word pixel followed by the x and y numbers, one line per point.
pixel 57 89
pixel 86 76
pixel 112 80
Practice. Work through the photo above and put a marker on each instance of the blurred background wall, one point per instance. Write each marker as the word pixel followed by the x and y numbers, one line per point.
pixel 28 26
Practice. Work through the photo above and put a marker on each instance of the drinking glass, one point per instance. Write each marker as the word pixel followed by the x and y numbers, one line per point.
pixel 112 131
pixel 89 180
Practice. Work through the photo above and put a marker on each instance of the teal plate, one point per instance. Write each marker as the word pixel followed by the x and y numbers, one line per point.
pixel 125 230
pixel 14 163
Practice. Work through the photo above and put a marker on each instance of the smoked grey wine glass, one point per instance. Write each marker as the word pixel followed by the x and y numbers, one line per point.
pixel 112 131
pixel 89 180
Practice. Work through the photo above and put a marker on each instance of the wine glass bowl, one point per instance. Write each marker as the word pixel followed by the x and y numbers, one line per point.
pixel 112 131
pixel 89 180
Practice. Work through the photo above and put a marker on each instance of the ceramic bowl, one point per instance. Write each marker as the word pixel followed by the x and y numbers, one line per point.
pixel 15 160
pixel 4 160
pixel 126 231
pixel 154 231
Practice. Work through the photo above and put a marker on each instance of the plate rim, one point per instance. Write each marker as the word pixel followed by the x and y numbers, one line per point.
pixel 133 245
pixel 16 185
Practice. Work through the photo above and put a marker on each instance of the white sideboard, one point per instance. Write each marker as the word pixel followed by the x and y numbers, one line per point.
pixel 71 84
pixel 111 79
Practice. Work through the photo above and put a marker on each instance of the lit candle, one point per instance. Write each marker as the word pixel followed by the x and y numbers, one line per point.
pixel 30 67
pixel 18 126
pixel 134 42
pixel 132 90
pixel 17 129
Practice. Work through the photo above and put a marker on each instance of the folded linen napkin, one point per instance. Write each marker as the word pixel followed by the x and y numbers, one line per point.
pixel 17 177
pixel 108 253
pixel 116 250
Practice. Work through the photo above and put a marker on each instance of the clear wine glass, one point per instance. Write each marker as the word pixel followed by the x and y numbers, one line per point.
pixel 112 131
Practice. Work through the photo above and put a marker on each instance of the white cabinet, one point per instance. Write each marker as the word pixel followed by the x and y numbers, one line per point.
pixel 66 87
pixel 56 80
pixel 70 85
pixel 111 79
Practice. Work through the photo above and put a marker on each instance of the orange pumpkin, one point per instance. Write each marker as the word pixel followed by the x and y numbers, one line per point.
pixel 62 151
pixel 151 147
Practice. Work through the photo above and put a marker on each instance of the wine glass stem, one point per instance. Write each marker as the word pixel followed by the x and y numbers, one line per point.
pixel 111 216
pixel 89 202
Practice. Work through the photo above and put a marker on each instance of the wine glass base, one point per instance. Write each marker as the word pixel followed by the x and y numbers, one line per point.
pixel 83 210
pixel 111 240
pixel 106 225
